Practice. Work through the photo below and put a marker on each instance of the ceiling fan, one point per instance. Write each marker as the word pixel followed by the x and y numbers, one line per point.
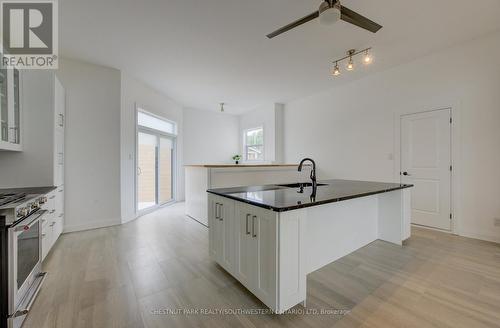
pixel 329 12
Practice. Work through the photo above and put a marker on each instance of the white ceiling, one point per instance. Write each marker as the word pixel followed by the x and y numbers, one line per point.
pixel 202 52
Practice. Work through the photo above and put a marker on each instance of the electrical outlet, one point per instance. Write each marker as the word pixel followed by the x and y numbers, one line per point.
pixel 496 222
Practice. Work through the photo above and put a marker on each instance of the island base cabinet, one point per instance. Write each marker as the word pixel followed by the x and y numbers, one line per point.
pixel 252 243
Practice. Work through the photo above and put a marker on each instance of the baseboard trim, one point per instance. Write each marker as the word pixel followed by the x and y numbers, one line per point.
pixel 431 228
pixel 192 218
pixel 472 235
pixel 484 237
pixel 91 225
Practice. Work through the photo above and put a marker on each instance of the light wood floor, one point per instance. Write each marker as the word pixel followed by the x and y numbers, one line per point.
pixel 125 276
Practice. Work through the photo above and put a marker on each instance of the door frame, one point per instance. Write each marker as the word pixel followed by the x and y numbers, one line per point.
pixel 455 186
pixel 157 133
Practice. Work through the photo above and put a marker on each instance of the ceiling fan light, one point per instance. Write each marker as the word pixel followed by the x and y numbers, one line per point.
pixel 329 15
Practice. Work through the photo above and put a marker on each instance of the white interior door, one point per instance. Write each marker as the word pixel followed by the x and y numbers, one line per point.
pixel 426 163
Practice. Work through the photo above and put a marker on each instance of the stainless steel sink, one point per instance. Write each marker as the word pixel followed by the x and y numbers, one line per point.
pixel 300 185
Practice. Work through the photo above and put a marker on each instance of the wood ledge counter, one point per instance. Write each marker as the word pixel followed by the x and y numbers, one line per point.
pixel 242 165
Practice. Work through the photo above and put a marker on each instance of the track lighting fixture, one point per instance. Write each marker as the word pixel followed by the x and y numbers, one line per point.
pixel 367 59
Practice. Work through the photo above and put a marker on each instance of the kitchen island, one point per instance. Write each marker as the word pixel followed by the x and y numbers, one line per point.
pixel 199 178
pixel 271 237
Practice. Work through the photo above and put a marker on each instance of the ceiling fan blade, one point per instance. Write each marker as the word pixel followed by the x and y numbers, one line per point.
pixel 350 16
pixel 299 22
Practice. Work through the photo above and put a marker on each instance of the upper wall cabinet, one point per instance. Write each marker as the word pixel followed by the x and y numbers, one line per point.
pixel 43 126
pixel 10 110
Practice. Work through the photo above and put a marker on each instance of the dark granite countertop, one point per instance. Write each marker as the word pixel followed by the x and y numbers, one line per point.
pixel 280 199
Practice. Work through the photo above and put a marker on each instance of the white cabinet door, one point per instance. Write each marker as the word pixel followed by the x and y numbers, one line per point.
pixel 46 234
pixel 59 104
pixel 219 232
pixel 59 158
pixel 46 241
pixel 246 259
pixel 57 229
pixel 264 232
pixel 227 222
pixel 256 251
pixel 59 202
pixel 10 116
pixel 212 227
pixel 243 240
pixel 216 229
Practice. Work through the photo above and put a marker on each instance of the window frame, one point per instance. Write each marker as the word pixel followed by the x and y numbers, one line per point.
pixel 145 112
pixel 245 146
pixel 158 134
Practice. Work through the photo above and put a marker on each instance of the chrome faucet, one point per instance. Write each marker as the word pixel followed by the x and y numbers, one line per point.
pixel 313 171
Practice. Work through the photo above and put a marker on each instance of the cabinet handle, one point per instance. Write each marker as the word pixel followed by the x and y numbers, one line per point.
pixel 216 210
pixel 254 234
pixel 221 212
pixel 247 230
pixel 61 124
pixel 53 224
pixel 52 197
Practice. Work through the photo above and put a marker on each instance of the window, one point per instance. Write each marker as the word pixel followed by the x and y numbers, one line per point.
pixel 155 123
pixel 253 140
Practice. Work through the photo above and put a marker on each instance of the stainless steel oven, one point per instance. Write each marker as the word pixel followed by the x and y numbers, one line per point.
pixel 25 265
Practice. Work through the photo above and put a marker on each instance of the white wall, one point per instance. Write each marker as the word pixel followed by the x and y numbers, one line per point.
pixel 134 92
pixel 351 130
pixel 269 117
pixel 209 137
pixel 92 149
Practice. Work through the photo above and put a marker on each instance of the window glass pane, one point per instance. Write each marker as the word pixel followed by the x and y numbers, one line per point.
pixel 254 144
pixel 146 171
pixel 28 251
pixel 165 165
pixel 155 123
pixel 255 137
pixel 255 153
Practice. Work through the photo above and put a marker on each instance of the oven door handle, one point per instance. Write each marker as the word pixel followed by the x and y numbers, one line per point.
pixel 40 280
pixel 24 227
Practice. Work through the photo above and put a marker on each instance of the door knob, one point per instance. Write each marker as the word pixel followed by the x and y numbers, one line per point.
pixel 406 173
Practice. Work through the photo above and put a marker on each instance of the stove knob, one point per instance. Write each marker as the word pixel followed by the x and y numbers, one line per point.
pixel 35 205
pixel 22 212
pixel 42 199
